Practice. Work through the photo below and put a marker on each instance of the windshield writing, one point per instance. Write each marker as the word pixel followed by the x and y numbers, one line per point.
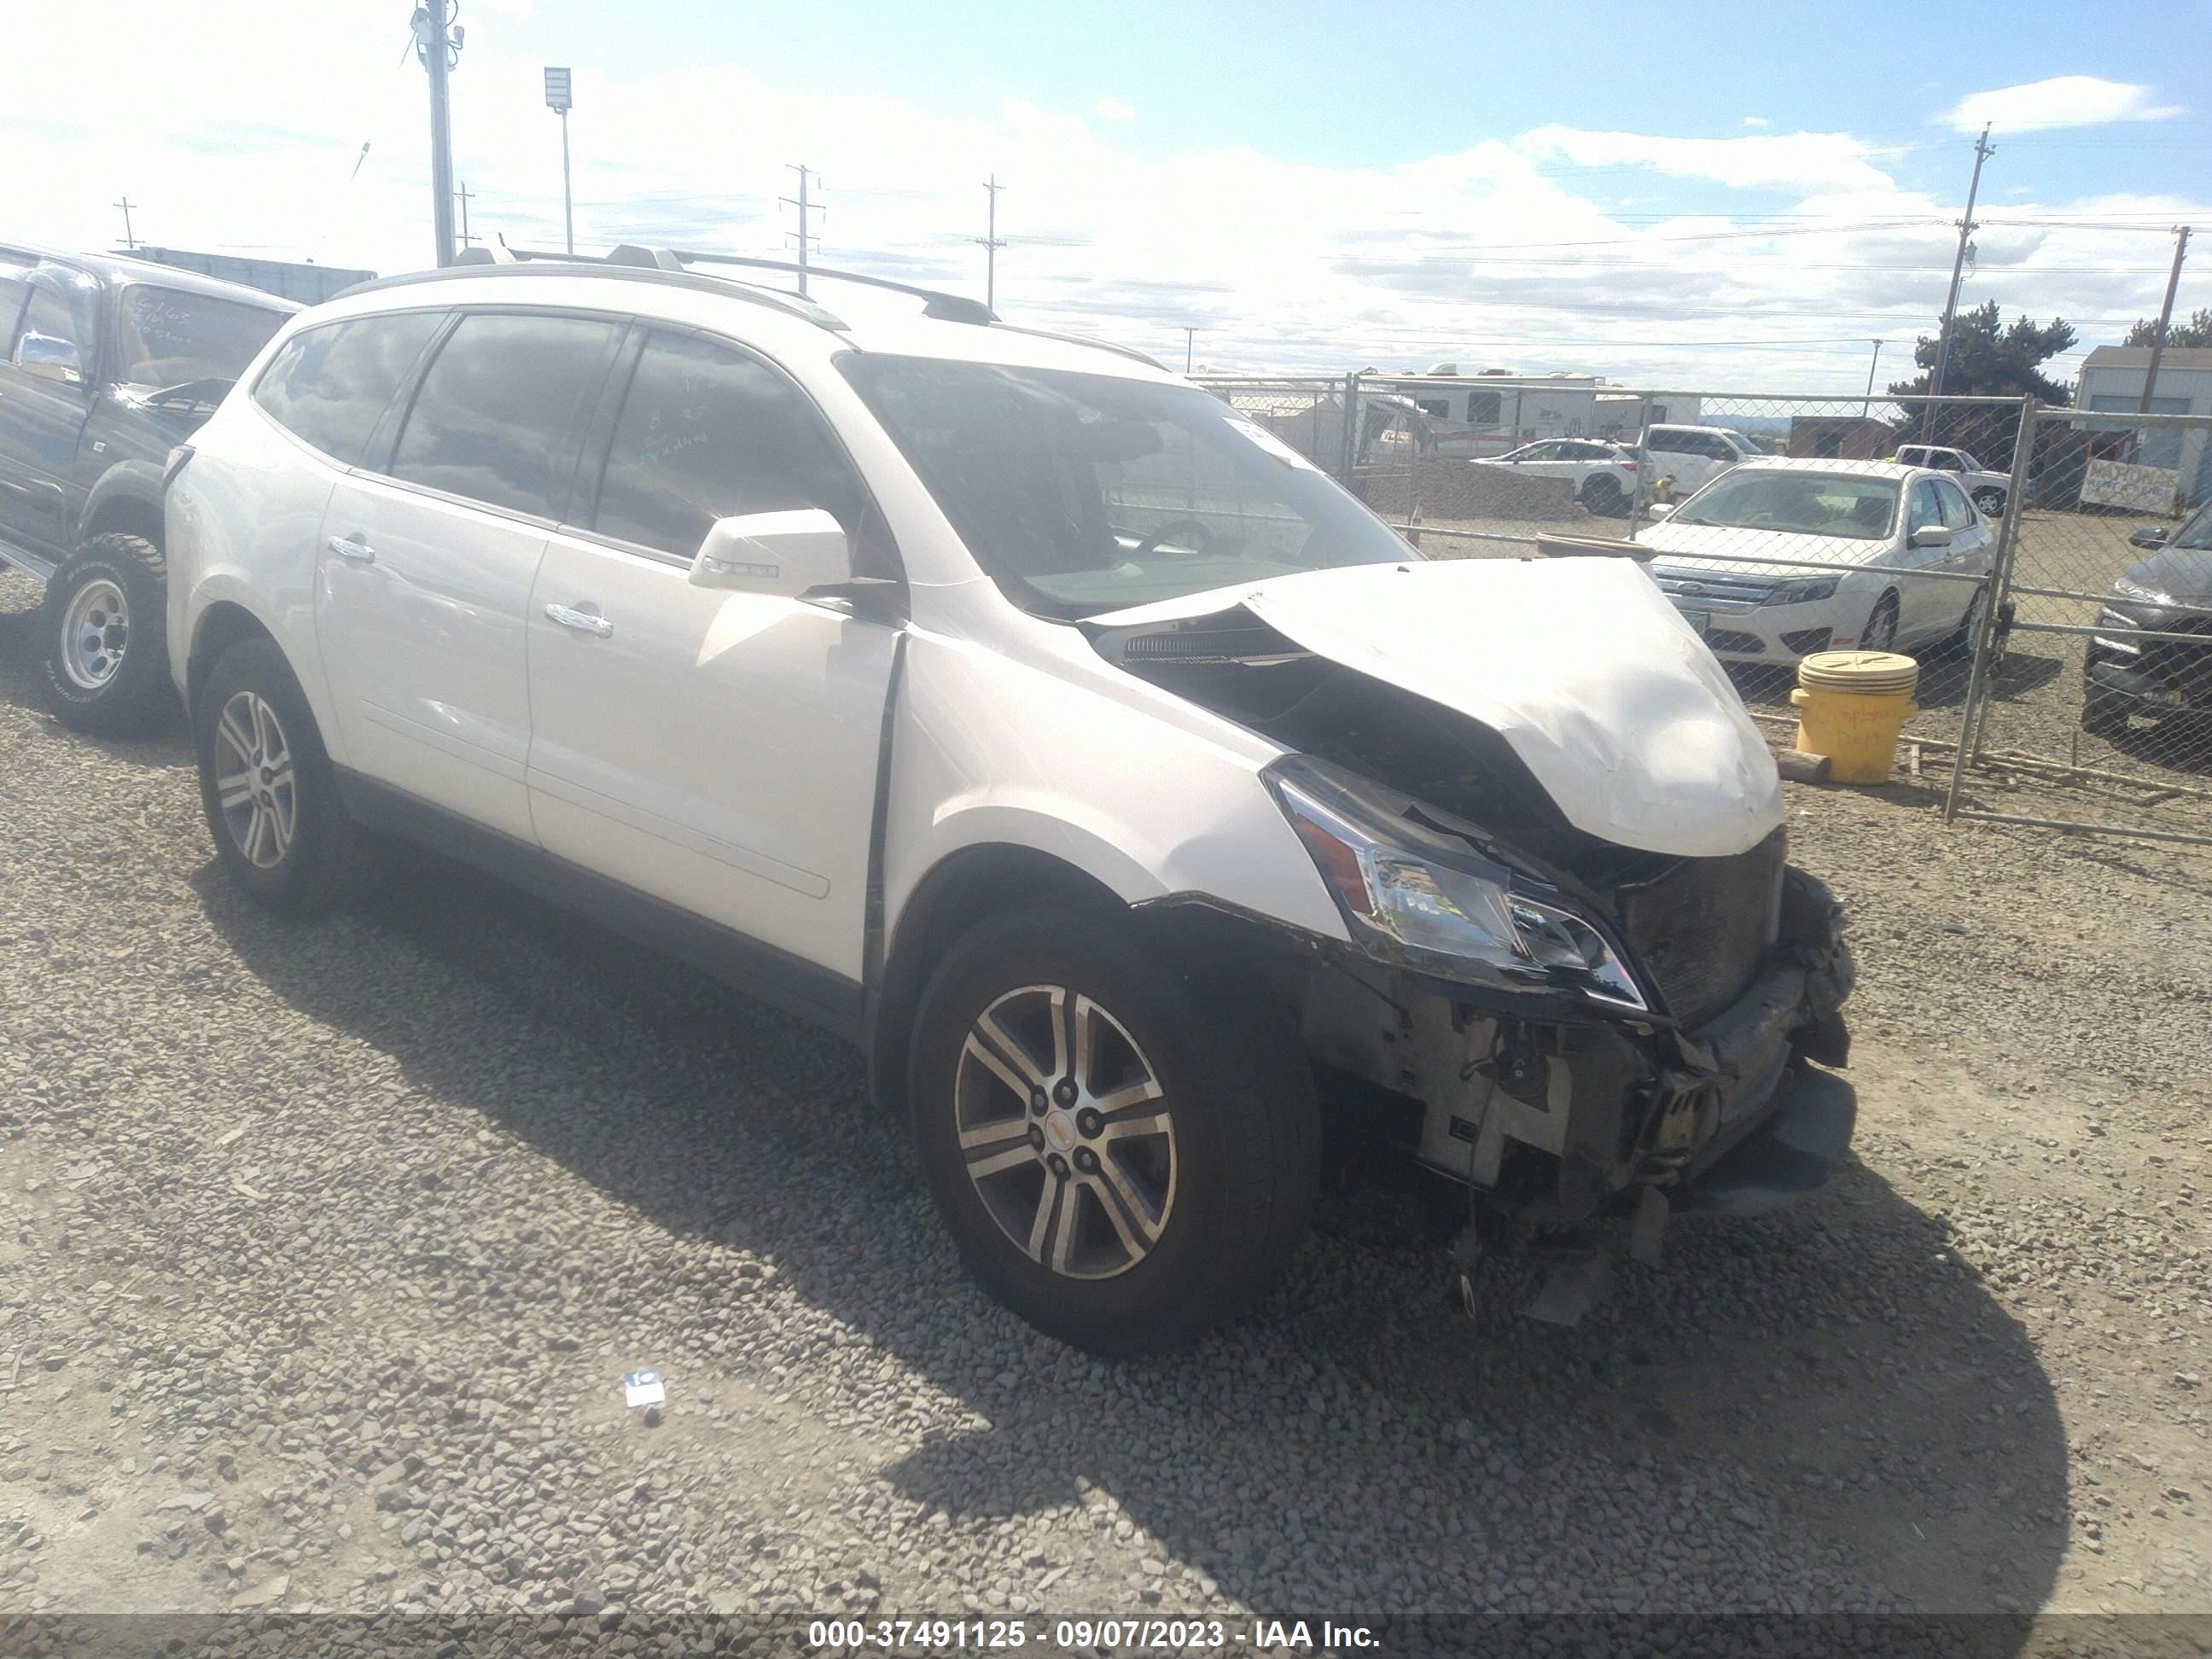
pixel 169 336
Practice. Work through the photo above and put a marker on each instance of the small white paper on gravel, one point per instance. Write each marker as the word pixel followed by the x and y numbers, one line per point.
pixel 642 1389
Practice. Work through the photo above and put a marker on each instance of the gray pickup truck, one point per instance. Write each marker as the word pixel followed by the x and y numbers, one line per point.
pixel 110 363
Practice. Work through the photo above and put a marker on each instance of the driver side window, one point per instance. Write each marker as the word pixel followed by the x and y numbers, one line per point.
pixel 1924 511
pixel 51 314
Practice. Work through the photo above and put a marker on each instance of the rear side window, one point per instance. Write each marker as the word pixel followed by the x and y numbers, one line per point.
pixel 496 417
pixel 329 385
pixel 1671 443
pixel 707 433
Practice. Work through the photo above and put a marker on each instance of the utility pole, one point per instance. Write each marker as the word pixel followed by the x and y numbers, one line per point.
pixel 559 98
pixel 991 243
pixel 437 47
pixel 805 205
pixel 463 194
pixel 131 241
pixel 2164 317
pixel 1866 410
pixel 1982 150
pixel 1189 339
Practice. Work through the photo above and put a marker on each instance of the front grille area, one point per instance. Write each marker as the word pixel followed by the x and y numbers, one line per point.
pixel 1725 639
pixel 1701 929
pixel 2186 668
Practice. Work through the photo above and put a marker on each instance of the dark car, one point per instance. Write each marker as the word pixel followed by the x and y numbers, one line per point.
pixel 2169 592
pixel 110 363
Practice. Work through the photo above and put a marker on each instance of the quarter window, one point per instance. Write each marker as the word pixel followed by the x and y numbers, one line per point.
pixel 329 385
pixel 708 433
pixel 496 417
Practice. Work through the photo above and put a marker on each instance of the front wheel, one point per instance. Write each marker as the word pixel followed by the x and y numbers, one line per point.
pixel 1880 633
pixel 1124 1156
pixel 268 789
pixel 106 652
pixel 2104 713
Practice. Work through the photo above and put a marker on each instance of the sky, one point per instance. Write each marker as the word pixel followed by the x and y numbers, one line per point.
pixel 1698 197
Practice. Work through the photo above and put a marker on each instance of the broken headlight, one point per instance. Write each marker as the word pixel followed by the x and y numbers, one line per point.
pixel 1417 891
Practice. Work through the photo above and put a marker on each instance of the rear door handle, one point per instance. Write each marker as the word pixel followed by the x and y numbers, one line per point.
pixel 349 547
pixel 584 622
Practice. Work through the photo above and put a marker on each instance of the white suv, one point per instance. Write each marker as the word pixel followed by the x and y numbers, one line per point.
pixel 1140 802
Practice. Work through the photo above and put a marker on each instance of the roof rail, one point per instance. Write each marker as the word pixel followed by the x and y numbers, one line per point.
pixel 945 307
pixel 488 263
pixel 1086 340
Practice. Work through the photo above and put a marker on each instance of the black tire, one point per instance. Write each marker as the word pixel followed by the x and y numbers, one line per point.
pixel 1880 633
pixel 1602 496
pixel 1959 645
pixel 1991 500
pixel 2104 713
pixel 1246 1135
pixel 107 668
pixel 325 860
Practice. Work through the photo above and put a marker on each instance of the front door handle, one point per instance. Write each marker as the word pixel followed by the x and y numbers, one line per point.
pixel 352 547
pixel 584 622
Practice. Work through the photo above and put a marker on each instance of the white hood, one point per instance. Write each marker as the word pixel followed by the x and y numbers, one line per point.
pixel 1582 665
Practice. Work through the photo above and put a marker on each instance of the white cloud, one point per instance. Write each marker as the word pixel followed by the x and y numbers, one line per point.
pixel 1757 121
pixel 1792 161
pixel 1113 109
pixel 2064 100
pixel 1279 266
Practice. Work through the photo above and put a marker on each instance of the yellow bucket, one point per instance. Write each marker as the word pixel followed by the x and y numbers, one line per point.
pixel 1851 707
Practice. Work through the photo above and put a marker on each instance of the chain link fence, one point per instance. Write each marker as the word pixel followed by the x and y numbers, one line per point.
pixel 2103 688
pixel 2054 587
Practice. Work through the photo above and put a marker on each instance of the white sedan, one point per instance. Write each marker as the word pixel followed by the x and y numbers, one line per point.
pixel 1777 559
pixel 1603 474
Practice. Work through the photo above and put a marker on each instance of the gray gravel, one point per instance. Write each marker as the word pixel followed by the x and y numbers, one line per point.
pixel 325 1248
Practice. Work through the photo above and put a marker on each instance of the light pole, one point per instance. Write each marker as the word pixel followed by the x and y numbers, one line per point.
pixel 558 100
pixel 439 48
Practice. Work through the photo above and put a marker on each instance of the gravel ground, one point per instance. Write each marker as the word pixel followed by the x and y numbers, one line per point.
pixel 327 1246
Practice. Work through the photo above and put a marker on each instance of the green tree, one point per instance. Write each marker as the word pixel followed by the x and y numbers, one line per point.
pixel 1989 359
pixel 2195 330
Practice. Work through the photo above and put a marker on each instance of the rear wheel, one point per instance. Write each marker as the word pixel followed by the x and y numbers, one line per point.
pixel 2104 713
pixel 1602 496
pixel 1124 1156
pixel 1991 500
pixel 106 652
pixel 268 791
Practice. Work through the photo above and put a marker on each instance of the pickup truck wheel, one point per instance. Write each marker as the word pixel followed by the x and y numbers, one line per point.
pixel 1990 500
pixel 267 787
pixel 1124 1155
pixel 104 623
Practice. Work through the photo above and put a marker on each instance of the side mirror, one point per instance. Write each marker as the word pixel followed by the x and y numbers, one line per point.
pixel 2151 535
pixel 50 358
pixel 780 553
pixel 1931 535
pixel 1655 511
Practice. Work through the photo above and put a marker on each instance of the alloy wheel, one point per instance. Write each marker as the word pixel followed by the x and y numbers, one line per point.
pixel 255 783
pixel 1880 631
pixel 95 630
pixel 1065 1133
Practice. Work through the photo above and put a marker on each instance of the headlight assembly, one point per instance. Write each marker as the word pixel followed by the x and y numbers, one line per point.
pixel 2136 591
pixel 1414 893
pixel 1802 592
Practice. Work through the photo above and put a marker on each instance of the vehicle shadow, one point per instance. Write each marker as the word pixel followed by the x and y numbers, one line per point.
pixel 1825 1410
pixel 22 682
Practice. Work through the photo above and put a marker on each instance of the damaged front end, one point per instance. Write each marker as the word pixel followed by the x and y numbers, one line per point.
pixel 1560 1023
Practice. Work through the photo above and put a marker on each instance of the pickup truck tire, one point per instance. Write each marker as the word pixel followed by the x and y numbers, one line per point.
pixel 1123 1228
pixel 1991 500
pixel 104 626
pixel 271 795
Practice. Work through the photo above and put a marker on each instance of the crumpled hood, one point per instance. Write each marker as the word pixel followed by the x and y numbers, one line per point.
pixel 1582 665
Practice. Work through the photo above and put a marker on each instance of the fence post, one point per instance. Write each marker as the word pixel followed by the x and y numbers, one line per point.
pixel 1348 432
pixel 2000 586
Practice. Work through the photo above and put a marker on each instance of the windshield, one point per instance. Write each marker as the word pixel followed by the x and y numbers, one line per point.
pixel 169 336
pixel 1084 493
pixel 1798 503
pixel 2197 532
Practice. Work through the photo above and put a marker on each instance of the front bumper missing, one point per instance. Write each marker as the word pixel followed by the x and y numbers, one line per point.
pixel 1553 1120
